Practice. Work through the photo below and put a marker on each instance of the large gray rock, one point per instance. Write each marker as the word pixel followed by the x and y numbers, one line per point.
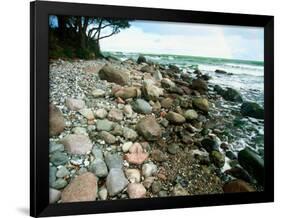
pixel 113 74
pixel 116 181
pixel 252 109
pixel 56 120
pixel 77 144
pixel 142 106
pixel 149 128
pixel 98 167
pixel 113 161
pixel 231 94
pixel 253 163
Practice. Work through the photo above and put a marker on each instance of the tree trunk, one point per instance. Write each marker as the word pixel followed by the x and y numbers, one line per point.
pixel 97 50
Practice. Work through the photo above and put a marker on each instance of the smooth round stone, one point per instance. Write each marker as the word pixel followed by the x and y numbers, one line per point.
pixel 53 147
pixel 103 193
pixel 62 172
pixel 142 106
pixel 97 93
pixel 126 146
pixel 97 152
pixel 107 137
pixel 54 195
pixel 77 144
pixel 149 169
pixel 133 175
pixel 98 167
pixel 100 113
pixel 190 114
pixel 59 158
pixel 173 148
pixel 59 184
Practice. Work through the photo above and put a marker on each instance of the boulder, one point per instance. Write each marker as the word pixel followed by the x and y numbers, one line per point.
pixel 231 94
pixel 175 118
pixel 141 59
pixel 113 74
pixel 220 71
pixel 74 104
pixel 115 181
pixel 237 186
pixel 151 91
pixel 201 104
pixel 56 120
pixel 77 144
pixel 82 188
pixel 200 85
pixel 141 106
pixel 253 163
pixel 252 109
pixel 149 128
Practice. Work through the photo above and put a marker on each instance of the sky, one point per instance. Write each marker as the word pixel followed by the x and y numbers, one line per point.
pixel 233 42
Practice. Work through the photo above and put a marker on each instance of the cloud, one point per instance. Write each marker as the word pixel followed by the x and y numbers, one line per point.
pixel 185 39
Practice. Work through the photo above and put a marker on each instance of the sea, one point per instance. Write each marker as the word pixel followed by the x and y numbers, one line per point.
pixel 243 75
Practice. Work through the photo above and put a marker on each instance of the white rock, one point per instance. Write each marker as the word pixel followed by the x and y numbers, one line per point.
pixel 97 93
pixel 126 146
pixel 133 175
pixel 149 169
pixel 54 195
pixel 101 113
pixel 88 113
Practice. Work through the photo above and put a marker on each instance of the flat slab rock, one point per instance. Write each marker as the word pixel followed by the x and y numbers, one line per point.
pixel 82 188
pixel 77 144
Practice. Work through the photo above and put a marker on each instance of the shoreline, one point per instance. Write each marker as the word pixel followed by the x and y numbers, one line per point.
pixel 189 153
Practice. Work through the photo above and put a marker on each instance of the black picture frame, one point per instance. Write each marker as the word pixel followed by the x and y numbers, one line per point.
pixel 39 120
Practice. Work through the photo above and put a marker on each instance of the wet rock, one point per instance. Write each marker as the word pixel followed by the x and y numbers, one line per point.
pixel 230 155
pixel 100 113
pixel 190 114
pixel 220 71
pixel 82 188
pixel 136 190
pixel 149 128
pixel 98 93
pixel 115 115
pixel 87 113
pixel 136 155
pixel 151 91
pixel 175 118
pixel 200 85
pixel 127 92
pixel 141 106
pixel 74 104
pixel 253 163
pixel 210 145
pixel 56 120
pixel 54 195
pixel 173 148
pixel 77 144
pixel 237 186
pixel 115 181
pixel 218 89
pixel 147 69
pixel 218 158
pixel 113 161
pixel 98 167
pixel 59 158
pixel 107 137
pixel 252 109
pixel 141 59
pixel 178 190
pixel 201 104
pixel 231 94
pixel 104 125
pixel 174 68
pixel 158 156
pixel 149 169
pixel 239 173
pixel 133 175
pixel 113 74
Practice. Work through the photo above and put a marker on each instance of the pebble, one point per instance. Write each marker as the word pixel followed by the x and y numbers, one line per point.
pixel 62 172
pixel 98 93
pixel 156 187
pixel 126 146
pixel 113 161
pixel 173 148
pixel 54 195
pixel 99 168
pixel 101 113
pixel 136 190
pixel 59 158
pixel 59 183
pixel 149 169
pixel 97 152
pixel 53 147
pixel 133 175
pixel 87 113
pixel 103 193
pixel 104 125
pixel 116 181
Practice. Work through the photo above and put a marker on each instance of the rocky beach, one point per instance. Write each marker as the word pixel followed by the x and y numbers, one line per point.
pixel 137 128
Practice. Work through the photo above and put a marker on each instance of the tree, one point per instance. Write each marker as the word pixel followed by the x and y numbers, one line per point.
pixel 83 34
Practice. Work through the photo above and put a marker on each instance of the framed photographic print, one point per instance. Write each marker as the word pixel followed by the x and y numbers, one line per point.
pixel 142 109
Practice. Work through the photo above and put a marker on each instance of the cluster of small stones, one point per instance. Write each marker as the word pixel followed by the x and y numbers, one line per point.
pixel 130 129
